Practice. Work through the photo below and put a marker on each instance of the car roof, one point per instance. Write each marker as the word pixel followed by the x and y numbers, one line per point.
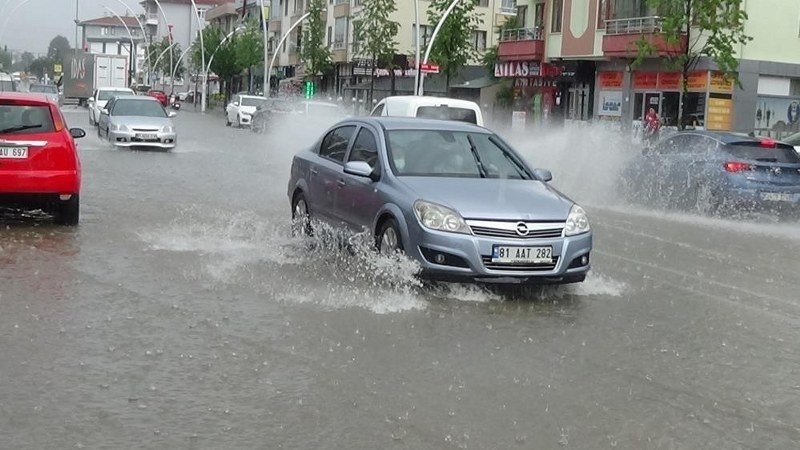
pixel 430 101
pixel 33 98
pixel 252 96
pixel 413 123
pixel 141 98
pixel 726 137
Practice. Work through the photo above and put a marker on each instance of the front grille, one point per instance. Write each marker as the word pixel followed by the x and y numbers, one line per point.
pixel 509 229
pixel 146 130
pixel 537 234
pixel 487 262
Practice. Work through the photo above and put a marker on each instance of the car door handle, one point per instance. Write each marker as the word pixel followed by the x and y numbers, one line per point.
pixel 341 182
pixel 313 171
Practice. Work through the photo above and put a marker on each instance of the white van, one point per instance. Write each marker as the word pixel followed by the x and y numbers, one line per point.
pixel 429 108
pixel 7 83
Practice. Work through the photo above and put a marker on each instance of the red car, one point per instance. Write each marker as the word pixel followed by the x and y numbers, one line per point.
pixel 161 96
pixel 39 163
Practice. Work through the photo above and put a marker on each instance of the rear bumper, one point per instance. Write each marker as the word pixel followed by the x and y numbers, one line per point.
pixel 766 198
pixel 40 182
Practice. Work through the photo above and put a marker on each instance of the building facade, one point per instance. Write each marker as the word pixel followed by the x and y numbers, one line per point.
pixel 176 18
pixel 111 36
pixel 574 58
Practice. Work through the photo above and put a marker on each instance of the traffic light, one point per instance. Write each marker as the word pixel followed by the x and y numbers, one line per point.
pixel 308 89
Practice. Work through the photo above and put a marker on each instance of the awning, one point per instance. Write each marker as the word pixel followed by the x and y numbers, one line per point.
pixel 477 83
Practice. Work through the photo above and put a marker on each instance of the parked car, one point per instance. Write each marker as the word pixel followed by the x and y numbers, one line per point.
pixel 452 196
pixel 161 96
pixel 137 121
pixel 239 111
pixel 429 108
pixel 712 172
pixel 99 99
pixel 39 163
pixel 47 90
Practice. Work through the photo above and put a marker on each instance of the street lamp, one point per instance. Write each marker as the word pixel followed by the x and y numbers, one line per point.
pixel 433 38
pixel 133 45
pixel 416 46
pixel 264 30
pixel 202 55
pixel 180 58
pixel 158 58
pixel 219 46
pixel 280 43
pixel 8 16
pixel 144 36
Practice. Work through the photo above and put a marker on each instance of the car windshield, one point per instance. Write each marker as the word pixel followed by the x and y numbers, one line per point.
pixel 105 95
pixel 48 89
pixel 144 108
pixel 251 101
pixel 440 153
pixel 19 119
pixel 755 152
pixel 444 112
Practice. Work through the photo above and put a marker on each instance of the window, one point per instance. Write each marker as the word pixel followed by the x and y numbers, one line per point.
pixel 538 10
pixel 104 31
pixel 425 33
pixel 365 148
pixel 330 36
pixel 299 41
pixel 558 12
pixel 479 40
pixel 339 32
pixel 335 143
pixel 356 31
pixel 142 108
pixel 286 7
pixel 378 111
pixel 603 13
pixel 275 10
pixel 483 3
pixel 20 119
pixel 522 16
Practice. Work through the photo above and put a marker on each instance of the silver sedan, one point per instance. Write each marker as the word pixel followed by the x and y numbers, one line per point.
pixel 137 121
pixel 452 196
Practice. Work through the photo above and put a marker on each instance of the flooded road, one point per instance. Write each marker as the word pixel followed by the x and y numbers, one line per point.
pixel 181 314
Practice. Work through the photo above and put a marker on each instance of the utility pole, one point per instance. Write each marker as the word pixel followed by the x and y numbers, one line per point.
pixel 77 2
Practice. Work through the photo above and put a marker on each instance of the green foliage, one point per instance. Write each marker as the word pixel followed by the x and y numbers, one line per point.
pixel 249 45
pixel 224 63
pixel 713 28
pixel 41 66
pixel 5 60
pixel 490 57
pixel 377 33
pixel 165 64
pixel 24 63
pixel 314 52
pixel 59 49
pixel 453 47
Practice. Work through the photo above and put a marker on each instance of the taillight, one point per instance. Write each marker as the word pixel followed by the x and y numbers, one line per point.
pixel 736 166
pixel 768 143
pixel 58 121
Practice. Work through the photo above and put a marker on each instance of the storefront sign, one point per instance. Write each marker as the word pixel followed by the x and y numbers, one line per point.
pixel 720 111
pixel 610 80
pixel 720 83
pixel 669 81
pixel 517 69
pixel 610 103
pixel 536 82
pixel 645 80
pixel 697 81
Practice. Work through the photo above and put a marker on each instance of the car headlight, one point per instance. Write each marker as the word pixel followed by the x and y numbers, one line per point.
pixel 168 129
pixel 577 222
pixel 438 217
pixel 119 127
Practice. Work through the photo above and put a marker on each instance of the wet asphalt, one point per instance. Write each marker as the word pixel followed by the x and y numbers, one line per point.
pixel 181 314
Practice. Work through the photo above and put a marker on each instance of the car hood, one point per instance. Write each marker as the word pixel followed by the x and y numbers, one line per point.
pixel 142 122
pixel 500 199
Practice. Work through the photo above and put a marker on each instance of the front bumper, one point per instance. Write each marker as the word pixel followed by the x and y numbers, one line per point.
pixel 245 120
pixel 468 258
pixel 134 139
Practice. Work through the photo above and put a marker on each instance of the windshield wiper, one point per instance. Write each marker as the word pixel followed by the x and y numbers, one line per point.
pixel 477 157
pixel 19 128
pixel 522 171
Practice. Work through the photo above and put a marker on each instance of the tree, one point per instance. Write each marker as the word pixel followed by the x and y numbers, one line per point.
pixel 314 52
pixel 41 66
pixel 224 63
pixel 5 59
pixel 24 63
pixel 376 35
pixel 249 48
pixel 698 28
pixel 491 57
pixel 453 47
pixel 165 65
pixel 59 49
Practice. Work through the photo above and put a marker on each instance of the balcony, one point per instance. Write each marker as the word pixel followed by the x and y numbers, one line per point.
pixel 275 26
pixel 521 44
pixel 339 54
pixel 623 34
pixel 341 8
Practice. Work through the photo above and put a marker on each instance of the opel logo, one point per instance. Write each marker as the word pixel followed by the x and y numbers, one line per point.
pixel 522 229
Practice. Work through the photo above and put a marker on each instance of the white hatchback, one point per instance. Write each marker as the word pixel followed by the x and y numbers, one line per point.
pixel 429 108
pixel 99 99
pixel 241 109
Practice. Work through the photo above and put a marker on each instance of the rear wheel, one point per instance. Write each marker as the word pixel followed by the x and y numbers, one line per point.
pixel 67 212
pixel 301 216
pixel 388 241
pixel 227 120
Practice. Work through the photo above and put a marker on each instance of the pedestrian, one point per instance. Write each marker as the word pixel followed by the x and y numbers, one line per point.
pixel 652 126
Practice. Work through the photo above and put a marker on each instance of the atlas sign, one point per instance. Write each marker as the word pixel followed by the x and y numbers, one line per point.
pixel 525 69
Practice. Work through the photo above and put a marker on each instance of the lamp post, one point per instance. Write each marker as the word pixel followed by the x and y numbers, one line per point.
pixel 280 43
pixel 416 47
pixel 433 38
pixel 266 55
pixel 10 13
pixel 219 46
pixel 202 55
pixel 144 36
pixel 180 58
pixel 166 24
pixel 133 44
pixel 158 58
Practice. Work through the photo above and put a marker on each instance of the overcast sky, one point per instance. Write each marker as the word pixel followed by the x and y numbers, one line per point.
pixel 33 24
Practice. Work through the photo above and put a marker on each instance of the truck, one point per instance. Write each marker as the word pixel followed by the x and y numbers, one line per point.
pixel 84 72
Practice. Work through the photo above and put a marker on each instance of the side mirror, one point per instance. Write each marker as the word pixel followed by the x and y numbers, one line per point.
pixel 104 111
pixel 172 114
pixel 235 103
pixel 359 169
pixel 77 133
pixel 543 175
pixel 90 100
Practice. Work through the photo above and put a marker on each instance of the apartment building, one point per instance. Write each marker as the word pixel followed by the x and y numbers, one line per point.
pixel 574 58
pixel 176 18
pixel 111 35
pixel 351 67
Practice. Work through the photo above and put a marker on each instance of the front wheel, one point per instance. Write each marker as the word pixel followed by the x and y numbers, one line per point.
pixel 238 122
pixel 67 212
pixel 388 241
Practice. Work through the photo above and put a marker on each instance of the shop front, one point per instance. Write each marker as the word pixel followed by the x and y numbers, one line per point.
pixel 535 89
